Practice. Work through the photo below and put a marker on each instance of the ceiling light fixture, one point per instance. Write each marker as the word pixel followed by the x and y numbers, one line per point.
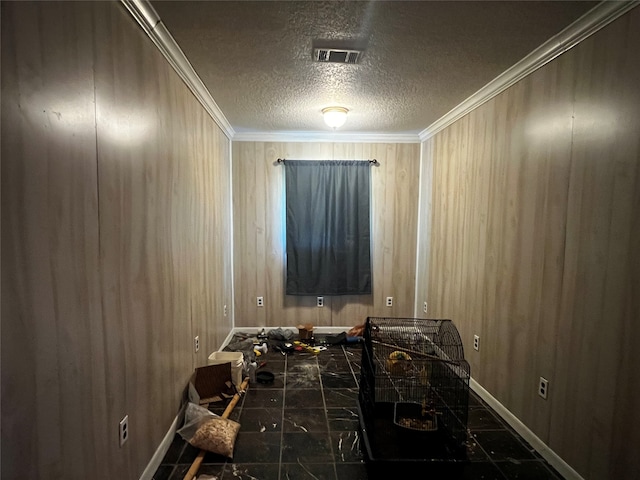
pixel 335 116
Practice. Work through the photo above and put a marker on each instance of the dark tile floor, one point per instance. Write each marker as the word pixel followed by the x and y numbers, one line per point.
pixel 305 426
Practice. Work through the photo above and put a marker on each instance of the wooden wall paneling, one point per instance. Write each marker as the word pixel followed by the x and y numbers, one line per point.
pixel 465 222
pixel 496 276
pixel 274 236
pixel 548 127
pixel 460 229
pixel 625 428
pixel 203 259
pixel 477 321
pixel 239 151
pixel 625 431
pixel 533 228
pixel 505 345
pixel 531 234
pixel 274 243
pixel 406 186
pixel 473 321
pixel 624 271
pixel 157 156
pixel 224 221
pixel 244 201
pixel 522 263
pixel 203 256
pixel 213 245
pixel 459 235
pixel 108 195
pixel 111 190
pixel 441 272
pixel 587 239
pixel 261 221
pixel 175 146
pixel 287 310
pixel 445 205
pixel 385 230
pixel 436 272
pixel 136 225
pixel 53 383
pixel 470 321
pixel 547 143
pixel 191 187
pixel 596 295
pixel 424 229
pixel 455 225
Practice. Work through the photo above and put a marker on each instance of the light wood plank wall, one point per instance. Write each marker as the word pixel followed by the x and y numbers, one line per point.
pixel 259 234
pixel 533 244
pixel 116 222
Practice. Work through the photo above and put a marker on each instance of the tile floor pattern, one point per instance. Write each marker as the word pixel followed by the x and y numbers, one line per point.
pixel 305 426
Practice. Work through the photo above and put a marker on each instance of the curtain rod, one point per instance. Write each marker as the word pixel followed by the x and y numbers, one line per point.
pixel 372 162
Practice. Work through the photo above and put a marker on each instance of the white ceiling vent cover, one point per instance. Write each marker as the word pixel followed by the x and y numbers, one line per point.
pixel 336 56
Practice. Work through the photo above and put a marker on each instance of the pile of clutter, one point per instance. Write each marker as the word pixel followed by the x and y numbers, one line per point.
pixel 253 346
pixel 229 374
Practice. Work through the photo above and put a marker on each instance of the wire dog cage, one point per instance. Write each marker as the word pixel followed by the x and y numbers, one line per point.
pixel 414 393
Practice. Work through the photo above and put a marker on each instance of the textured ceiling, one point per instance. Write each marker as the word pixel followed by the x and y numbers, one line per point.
pixel 421 59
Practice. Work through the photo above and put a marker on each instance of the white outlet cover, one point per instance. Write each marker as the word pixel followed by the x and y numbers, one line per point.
pixel 543 388
pixel 123 430
pixel 389 301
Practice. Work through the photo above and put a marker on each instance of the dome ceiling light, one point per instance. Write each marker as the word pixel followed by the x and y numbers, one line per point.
pixel 335 117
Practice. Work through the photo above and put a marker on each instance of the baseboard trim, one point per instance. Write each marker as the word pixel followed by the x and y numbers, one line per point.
pixel 227 340
pixel 542 448
pixel 162 449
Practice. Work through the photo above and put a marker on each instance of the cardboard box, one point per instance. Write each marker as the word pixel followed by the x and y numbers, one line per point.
pixel 305 332
pixel 212 383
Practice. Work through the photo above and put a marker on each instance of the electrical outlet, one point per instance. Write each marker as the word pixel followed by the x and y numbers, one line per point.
pixel 320 301
pixel 476 342
pixel 389 301
pixel 260 301
pixel 196 343
pixel 225 310
pixel 123 430
pixel 543 387
pixel 424 307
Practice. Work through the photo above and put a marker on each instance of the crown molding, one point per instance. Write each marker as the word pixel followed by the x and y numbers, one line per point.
pixel 151 23
pixel 592 21
pixel 342 137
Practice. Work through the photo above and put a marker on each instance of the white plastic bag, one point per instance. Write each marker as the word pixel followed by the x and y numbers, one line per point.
pixel 206 430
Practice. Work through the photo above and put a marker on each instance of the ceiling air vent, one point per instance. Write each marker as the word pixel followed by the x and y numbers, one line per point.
pixel 336 56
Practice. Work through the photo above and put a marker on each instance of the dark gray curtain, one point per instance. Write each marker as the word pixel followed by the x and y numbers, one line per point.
pixel 328 239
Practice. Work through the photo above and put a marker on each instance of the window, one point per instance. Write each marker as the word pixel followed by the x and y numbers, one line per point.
pixel 328 228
